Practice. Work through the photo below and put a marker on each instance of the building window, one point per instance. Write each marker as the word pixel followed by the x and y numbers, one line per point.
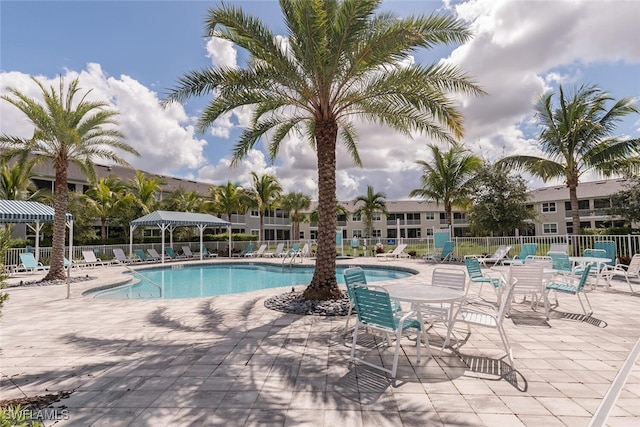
pixel 549 207
pixel 376 233
pixel 356 217
pixel 430 216
pixel 357 233
pixel 376 216
pixel 255 232
pixel 255 214
pixel 313 234
pixel 301 235
pixel 414 233
pixel 550 228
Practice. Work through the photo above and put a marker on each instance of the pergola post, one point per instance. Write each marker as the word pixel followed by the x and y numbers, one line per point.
pixel 201 227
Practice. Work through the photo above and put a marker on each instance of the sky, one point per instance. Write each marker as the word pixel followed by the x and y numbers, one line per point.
pixel 130 53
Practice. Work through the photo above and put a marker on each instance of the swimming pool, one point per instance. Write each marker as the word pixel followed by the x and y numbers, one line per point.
pixel 195 281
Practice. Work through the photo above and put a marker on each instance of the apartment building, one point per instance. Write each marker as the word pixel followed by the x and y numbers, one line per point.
pixel 406 218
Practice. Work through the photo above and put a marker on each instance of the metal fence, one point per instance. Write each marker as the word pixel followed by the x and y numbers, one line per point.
pixel 626 246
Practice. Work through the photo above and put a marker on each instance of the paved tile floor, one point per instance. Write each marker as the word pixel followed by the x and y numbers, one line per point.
pixel 230 361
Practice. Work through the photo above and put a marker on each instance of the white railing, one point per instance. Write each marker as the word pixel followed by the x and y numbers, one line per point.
pixel 626 246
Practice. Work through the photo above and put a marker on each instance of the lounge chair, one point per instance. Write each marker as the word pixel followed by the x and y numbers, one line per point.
pixel 497 257
pixel 305 252
pixel 186 250
pixel 29 263
pixel 258 253
pixel 279 249
pixel 172 254
pixel 527 249
pixel 293 252
pixel 246 251
pixel 144 257
pixel 559 247
pixel 444 255
pixel 90 259
pixel 154 254
pixel 396 253
pixel 206 253
pixel 122 258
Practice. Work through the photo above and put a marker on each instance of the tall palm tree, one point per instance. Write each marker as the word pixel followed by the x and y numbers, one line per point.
pixel 293 203
pixel 448 178
pixel 146 190
pixel 66 130
pixel 340 62
pixel 102 200
pixel 372 202
pixel 265 195
pixel 576 138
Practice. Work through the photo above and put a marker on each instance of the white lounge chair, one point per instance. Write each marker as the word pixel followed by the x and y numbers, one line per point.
pixel 122 258
pixel 186 250
pixel 90 259
pixel 258 253
pixel 396 253
pixel 279 249
pixel 497 257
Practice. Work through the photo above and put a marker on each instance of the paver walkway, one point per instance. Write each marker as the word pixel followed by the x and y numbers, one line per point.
pixel 230 361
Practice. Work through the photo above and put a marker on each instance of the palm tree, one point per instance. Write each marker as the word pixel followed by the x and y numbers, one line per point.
pixel 576 138
pixel 183 201
pixel 229 199
pixel 102 200
pixel 340 62
pixel 372 202
pixel 16 183
pixel 265 195
pixel 66 130
pixel 448 179
pixel 293 203
pixel 146 190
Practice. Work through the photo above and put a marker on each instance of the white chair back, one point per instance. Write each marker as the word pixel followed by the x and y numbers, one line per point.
pixel 449 278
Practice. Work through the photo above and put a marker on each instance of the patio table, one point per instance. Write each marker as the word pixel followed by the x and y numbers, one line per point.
pixel 418 294
pixel 599 263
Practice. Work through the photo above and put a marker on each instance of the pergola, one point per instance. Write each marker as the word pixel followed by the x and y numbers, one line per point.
pixel 21 211
pixel 170 220
pixel 34 215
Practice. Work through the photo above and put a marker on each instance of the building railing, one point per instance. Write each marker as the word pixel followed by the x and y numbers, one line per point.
pixel 626 246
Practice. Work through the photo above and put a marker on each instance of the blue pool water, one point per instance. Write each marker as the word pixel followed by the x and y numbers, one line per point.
pixel 222 279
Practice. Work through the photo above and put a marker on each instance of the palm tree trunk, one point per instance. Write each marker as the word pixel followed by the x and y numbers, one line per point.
pixel 56 269
pixel 324 286
pixel 575 216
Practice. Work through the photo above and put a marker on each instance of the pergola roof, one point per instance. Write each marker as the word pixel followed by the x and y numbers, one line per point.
pixel 14 211
pixel 158 218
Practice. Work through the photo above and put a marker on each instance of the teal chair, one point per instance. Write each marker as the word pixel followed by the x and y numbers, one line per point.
pixel 246 251
pixel 561 262
pixel 172 254
pixel 573 285
pixel 445 255
pixel 477 276
pixel 526 250
pixel 609 246
pixel 375 312
pixel 206 253
pixel 28 263
pixel 355 276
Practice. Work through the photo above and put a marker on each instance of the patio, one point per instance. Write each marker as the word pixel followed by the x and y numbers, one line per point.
pixel 229 360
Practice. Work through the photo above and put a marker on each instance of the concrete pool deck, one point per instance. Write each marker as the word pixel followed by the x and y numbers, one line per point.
pixel 228 360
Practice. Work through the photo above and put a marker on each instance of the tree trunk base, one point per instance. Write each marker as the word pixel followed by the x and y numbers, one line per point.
pixel 329 291
pixel 53 276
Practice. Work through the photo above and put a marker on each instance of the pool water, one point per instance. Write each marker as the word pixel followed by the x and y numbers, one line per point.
pixel 195 281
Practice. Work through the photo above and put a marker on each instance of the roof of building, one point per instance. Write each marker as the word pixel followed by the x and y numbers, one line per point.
pixel 586 190
pixel 14 211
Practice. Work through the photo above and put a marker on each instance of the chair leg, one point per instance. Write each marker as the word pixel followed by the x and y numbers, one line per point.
pixel 353 342
pixel 506 344
pixel 588 303
pixel 346 326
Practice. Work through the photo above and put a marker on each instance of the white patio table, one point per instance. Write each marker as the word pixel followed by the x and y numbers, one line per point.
pixel 417 294
pixel 584 260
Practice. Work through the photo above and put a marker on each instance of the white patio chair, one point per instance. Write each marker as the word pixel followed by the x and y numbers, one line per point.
pixel 627 271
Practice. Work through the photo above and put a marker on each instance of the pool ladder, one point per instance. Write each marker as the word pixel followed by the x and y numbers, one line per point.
pixel 293 256
pixel 137 273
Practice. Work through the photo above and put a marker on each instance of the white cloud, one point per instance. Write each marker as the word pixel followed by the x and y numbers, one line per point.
pixel 164 137
pixel 222 53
